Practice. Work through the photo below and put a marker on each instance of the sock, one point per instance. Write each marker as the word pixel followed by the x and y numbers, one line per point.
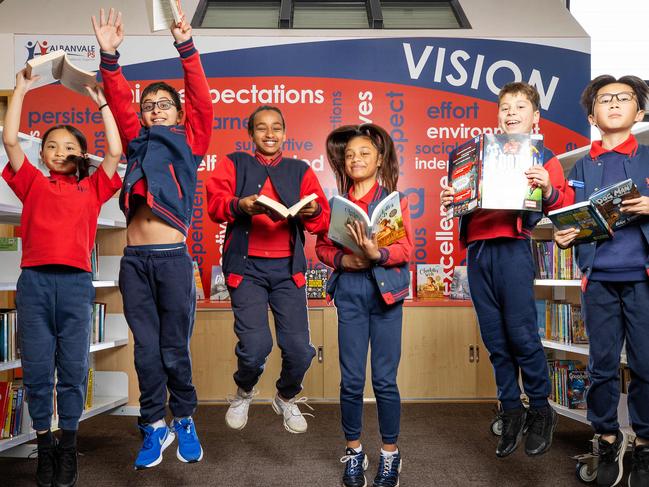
pixel 45 439
pixel 158 424
pixel 69 439
pixel 357 450
pixel 389 453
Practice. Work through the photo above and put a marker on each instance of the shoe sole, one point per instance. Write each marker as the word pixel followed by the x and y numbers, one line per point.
pixel 182 459
pixel 278 411
pixel 547 448
pixel 170 439
pixel 620 459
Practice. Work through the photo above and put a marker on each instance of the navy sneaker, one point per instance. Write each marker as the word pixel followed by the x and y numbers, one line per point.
pixel 355 466
pixel 156 440
pixel 639 467
pixel 611 459
pixel 389 469
pixel 189 446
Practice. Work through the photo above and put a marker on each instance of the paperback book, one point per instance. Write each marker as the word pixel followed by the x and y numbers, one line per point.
pixel 460 283
pixel 55 66
pixel 164 13
pixel 430 281
pixel 219 290
pixel 282 211
pixel 316 283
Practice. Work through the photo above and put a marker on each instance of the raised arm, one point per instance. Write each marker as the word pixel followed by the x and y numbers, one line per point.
pixel 12 121
pixel 114 152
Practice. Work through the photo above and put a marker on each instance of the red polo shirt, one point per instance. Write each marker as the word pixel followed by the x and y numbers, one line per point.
pixel 59 218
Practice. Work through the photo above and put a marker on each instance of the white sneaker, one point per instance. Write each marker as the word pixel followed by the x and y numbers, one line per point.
pixel 294 421
pixel 237 415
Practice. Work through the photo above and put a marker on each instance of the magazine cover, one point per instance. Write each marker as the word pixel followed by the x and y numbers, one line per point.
pixel 430 281
pixel 460 283
pixel 316 283
pixel 219 290
pixel 609 201
pixel 464 177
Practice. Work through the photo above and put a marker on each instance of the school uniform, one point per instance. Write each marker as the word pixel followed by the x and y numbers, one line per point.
pixel 615 290
pixel 264 262
pixel 369 304
pixel 156 281
pixel 54 293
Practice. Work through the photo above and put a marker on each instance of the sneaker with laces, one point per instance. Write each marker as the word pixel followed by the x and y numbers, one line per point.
pixel 189 446
pixel 236 416
pixel 66 468
pixel 639 467
pixel 355 466
pixel 47 459
pixel 294 420
pixel 513 424
pixel 156 440
pixel 611 455
pixel 389 470
pixel 541 424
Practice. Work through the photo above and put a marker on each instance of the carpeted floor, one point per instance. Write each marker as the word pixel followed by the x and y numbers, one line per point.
pixel 441 444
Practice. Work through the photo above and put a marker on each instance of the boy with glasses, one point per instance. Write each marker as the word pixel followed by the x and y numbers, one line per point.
pixel 615 285
pixel 156 275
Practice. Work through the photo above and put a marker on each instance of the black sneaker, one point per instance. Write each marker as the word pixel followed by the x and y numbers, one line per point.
pixel 46 469
pixel 609 469
pixel 540 428
pixel 66 473
pixel 355 466
pixel 639 467
pixel 388 472
pixel 513 422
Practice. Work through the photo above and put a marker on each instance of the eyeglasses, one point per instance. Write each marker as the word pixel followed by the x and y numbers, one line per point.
pixel 148 106
pixel 622 97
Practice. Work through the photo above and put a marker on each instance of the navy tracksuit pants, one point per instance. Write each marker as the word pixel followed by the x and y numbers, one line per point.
pixel 364 319
pixel 501 280
pixel 159 296
pixel 54 306
pixel 615 311
pixel 269 282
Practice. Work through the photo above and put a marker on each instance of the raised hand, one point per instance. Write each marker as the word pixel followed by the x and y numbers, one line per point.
pixel 109 32
pixel 181 31
pixel 23 84
pixel 97 94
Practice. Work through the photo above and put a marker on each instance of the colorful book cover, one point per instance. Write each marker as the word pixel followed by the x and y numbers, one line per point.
pixel 464 177
pixel 200 293
pixel 578 328
pixel 218 290
pixel 609 200
pixel 578 383
pixel 540 316
pixel 584 216
pixel 5 396
pixel 430 281
pixel 316 283
pixel 10 244
pixel 90 388
pixel 460 283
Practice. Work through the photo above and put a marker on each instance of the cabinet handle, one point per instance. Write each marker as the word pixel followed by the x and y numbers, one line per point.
pixel 320 354
pixel 471 353
pixel 477 353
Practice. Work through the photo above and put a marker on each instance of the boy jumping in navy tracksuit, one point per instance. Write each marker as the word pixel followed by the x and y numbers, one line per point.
pixel 615 285
pixel 264 262
pixel 501 280
pixel 156 275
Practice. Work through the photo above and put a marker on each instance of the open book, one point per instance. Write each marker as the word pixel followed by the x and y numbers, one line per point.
pixel 164 13
pixel 386 221
pixel 56 66
pixel 280 209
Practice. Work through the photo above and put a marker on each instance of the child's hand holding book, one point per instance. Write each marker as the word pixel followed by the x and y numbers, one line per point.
pixel 368 245
pixel 637 206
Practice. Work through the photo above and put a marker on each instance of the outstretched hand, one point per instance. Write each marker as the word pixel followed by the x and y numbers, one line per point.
pixel 109 32
pixel 97 94
pixel 181 31
pixel 23 84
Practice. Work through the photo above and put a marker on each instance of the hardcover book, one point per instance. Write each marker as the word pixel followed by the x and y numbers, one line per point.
pixel 609 200
pixel 430 281
pixel 460 283
pixel 584 216
pixel 219 290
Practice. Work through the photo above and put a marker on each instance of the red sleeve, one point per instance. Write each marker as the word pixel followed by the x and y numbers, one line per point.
pixel 561 192
pixel 198 105
pixel 21 182
pixel 119 98
pixel 222 203
pixel 328 253
pixel 103 187
pixel 399 252
pixel 318 223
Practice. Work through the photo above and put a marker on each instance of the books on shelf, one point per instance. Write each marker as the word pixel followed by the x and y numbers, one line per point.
pixel 279 211
pixel 98 329
pixel 460 283
pixel 164 13
pixel 570 382
pixel 316 283
pixel 12 406
pixel 200 292
pixel 9 348
pixel 219 290
pixel 488 172
pixel 430 281
pixel 89 393
pixel 94 263
pixel 55 66
pixel 560 322
pixel 386 222
pixel 551 262
pixel 11 244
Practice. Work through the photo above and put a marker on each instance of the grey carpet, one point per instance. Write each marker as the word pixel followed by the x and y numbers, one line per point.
pixel 441 444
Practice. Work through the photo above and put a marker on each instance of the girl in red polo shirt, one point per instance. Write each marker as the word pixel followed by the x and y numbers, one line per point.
pixel 54 292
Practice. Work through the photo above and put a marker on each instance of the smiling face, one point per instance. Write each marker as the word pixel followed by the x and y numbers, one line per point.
pixel 362 159
pixel 158 108
pixel 60 144
pixel 268 132
pixel 615 113
pixel 516 114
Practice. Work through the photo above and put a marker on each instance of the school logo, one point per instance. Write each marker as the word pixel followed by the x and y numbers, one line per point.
pixel 40 47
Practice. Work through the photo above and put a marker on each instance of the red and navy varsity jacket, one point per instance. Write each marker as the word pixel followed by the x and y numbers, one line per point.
pixel 166 156
pixel 517 224
pixel 239 175
pixel 391 271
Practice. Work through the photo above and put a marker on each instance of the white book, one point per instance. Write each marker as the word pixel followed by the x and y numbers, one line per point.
pixel 386 221
pixel 164 13
pixel 55 66
pixel 282 210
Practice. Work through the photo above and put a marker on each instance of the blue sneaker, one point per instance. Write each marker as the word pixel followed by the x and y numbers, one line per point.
pixel 355 466
pixel 389 469
pixel 156 440
pixel 189 446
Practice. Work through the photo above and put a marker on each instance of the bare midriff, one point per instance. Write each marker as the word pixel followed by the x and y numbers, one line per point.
pixel 145 228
